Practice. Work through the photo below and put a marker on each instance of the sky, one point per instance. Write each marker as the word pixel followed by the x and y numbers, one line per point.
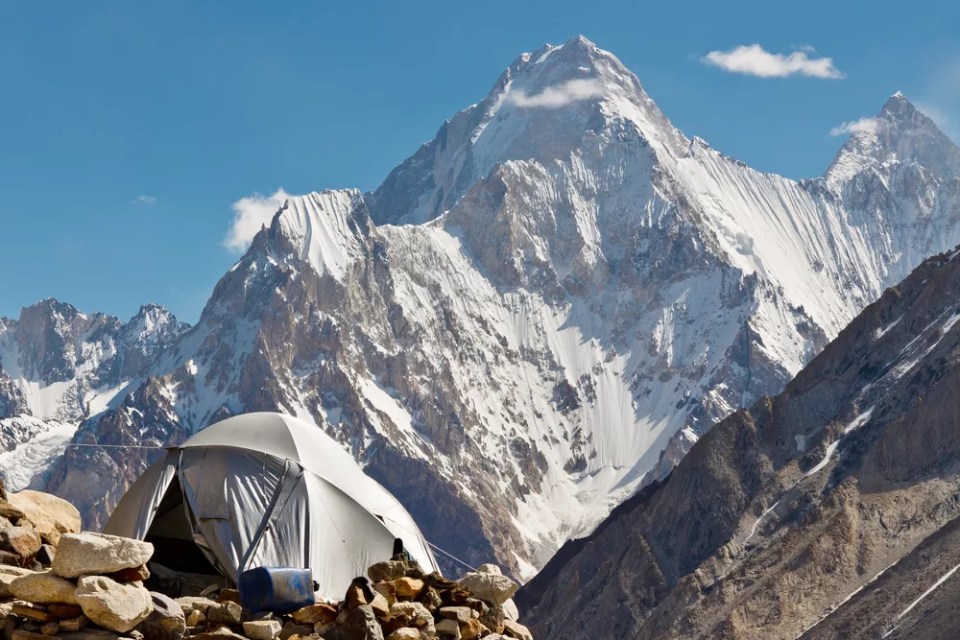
pixel 131 134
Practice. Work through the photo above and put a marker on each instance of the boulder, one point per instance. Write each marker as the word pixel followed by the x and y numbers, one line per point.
pixel 20 541
pixel 493 618
pixel 8 574
pixel 132 574
pixel 408 587
pixel 510 611
pixel 516 630
pixel 221 633
pixel 190 604
pixel 51 516
pixel 472 629
pixel 291 629
pixel 412 614
pixel 386 571
pixel 315 614
pixel 225 613
pixel 44 588
pixel 360 623
pixel 85 554
pixel 380 605
pixel 448 629
pixel 460 614
pixel 262 629
pixel 114 606
pixel 492 587
pixel 404 633
pixel 166 621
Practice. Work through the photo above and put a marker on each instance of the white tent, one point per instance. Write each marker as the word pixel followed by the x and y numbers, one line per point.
pixel 267 490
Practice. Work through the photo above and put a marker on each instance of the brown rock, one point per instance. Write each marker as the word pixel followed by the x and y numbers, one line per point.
pixel 74 624
pixel 229 595
pixel 7 575
pixel 315 613
pixel 23 634
pixel 32 612
pixel 448 629
pixel 44 588
pixel 50 629
pixel 50 516
pixel 23 542
pixel 430 598
pixel 130 574
pixel 221 633
pixel 291 629
pixel 408 587
pixel 387 571
pixel 226 613
pixel 192 603
pixel 64 610
pixel 472 629
pixel 404 633
pixel 10 512
pixel 166 621
pixel 380 605
pixel 195 618
pixel 455 597
pixel 359 624
pixel 355 596
pixel 493 619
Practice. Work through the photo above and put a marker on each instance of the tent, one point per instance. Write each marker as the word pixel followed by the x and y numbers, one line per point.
pixel 266 490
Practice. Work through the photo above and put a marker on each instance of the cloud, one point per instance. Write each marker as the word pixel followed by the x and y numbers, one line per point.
pixel 855 126
pixel 249 214
pixel 144 200
pixel 753 60
pixel 558 96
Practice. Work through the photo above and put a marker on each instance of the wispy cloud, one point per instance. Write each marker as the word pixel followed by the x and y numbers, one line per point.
pixel 144 200
pixel 855 126
pixel 754 60
pixel 249 214
pixel 557 96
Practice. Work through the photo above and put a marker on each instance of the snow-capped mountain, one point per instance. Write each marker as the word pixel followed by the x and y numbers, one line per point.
pixel 829 511
pixel 541 309
pixel 58 366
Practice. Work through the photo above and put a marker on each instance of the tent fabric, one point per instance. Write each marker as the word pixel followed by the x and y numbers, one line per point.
pixel 264 489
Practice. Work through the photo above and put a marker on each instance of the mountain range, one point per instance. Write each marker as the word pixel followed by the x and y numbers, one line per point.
pixel 536 314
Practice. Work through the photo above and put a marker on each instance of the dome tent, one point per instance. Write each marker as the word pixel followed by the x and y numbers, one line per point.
pixel 267 490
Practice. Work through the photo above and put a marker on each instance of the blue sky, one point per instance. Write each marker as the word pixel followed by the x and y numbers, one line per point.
pixel 127 131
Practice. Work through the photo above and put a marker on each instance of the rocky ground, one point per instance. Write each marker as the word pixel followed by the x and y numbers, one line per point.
pixel 59 582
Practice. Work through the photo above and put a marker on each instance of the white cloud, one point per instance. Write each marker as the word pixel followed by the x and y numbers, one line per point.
pixel 557 96
pixel 249 214
pixel 754 60
pixel 855 126
pixel 144 200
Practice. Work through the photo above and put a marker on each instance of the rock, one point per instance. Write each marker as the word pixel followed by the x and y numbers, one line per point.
pixel 90 634
pixel 404 633
pixel 7 575
pixel 493 618
pixel 23 634
pixel 46 554
pixel 412 614
pixel 50 629
pixel 408 587
pixel 291 629
pixel 492 587
pixel 448 629
pixel 262 629
pixel 50 516
pixel 315 613
pixel 472 629
pixel 360 623
pixel 114 606
pixel 192 603
pixel 74 624
pixel 430 598
pixel 387 590
pixel 380 605
pixel 44 588
pixel 133 574
pixel 510 611
pixel 460 614
pixel 31 612
pixel 166 621
pixel 64 610
pixel 225 613
pixel 228 595
pixel 221 633
pixel 196 618
pixel 21 541
pixel 387 571
pixel 86 554
pixel 8 558
pixel 516 630
pixel 356 595
pixel 11 513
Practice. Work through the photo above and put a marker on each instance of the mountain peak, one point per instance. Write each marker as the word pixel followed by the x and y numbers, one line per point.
pixel 543 107
pixel 899 133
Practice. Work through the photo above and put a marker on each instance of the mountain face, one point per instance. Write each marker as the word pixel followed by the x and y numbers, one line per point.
pixel 59 366
pixel 827 511
pixel 539 311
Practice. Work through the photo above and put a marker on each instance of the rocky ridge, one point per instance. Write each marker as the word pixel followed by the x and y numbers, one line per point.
pixel 827 511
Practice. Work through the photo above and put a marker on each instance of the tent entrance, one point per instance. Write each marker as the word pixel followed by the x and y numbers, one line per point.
pixel 179 566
